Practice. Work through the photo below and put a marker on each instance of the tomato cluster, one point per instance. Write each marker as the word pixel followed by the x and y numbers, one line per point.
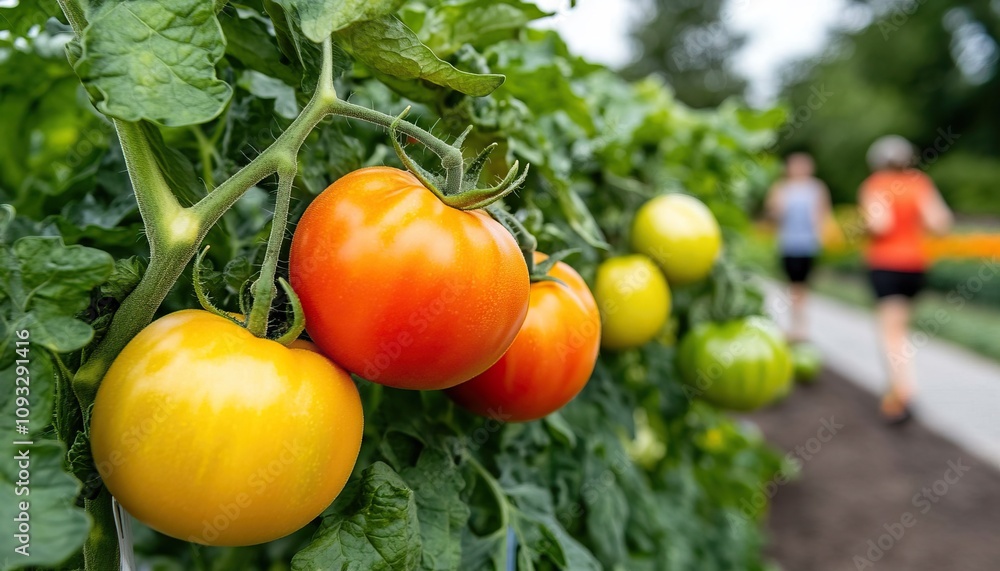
pixel 678 241
pixel 740 364
pixel 395 287
pixel 405 291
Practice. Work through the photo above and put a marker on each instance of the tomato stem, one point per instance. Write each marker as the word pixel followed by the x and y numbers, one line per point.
pixel 100 552
pixel 263 288
pixel 450 155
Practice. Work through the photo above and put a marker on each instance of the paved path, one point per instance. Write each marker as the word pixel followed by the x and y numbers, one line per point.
pixel 922 502
pixel 959 391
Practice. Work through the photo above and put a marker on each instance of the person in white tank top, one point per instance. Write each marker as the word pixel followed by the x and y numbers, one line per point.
pixel 800 204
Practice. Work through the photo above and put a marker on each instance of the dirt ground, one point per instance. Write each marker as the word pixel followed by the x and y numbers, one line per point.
pixel 876 497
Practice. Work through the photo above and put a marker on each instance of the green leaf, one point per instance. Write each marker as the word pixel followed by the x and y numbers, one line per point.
pixel 89 212
pixel 607 513
pixel 177 169
pixel 52 143
pixel 124 278
pixel 443 514
pixel 43 285
pixel 580 219
pixel 57 527
pixel 297 47
pixel 560 429
pixel 320 19
pixel 540 534
pixel 266 87
pixel 389 47
pixel 377 531
pixel 248 40
pixel 145 59
pixel 448 26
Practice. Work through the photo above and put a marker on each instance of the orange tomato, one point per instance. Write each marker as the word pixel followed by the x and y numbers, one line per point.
pixel 551 359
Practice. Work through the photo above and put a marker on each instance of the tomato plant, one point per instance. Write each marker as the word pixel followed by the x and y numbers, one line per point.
pixel 634 299
pixel 142 137
pixel 551 359
pixel 444 291
pixel 681 234
pixel 742 364
pixel 208 434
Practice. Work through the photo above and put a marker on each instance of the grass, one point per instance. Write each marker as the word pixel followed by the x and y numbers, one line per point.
pixel 972 325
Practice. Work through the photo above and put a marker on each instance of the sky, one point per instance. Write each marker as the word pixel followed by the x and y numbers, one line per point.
pixel 779 31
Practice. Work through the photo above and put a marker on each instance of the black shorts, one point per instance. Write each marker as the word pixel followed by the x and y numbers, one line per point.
pixel 797 268
pixel 888 283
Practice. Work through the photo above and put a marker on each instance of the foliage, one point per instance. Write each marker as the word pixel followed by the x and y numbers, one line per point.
pixel 435 487
pixel 690 44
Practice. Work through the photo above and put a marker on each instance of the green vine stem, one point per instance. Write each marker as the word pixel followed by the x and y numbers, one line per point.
pixel 450 155
pixel 263 288
pixel 100 552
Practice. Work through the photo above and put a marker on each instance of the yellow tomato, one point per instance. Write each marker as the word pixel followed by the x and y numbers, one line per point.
pixel 211 435
pixel 634 300
pixel 681 234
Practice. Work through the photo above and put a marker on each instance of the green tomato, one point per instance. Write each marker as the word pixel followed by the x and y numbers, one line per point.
pixel 741 365
pixel 807 361
pixel 681 234
pixel 634 301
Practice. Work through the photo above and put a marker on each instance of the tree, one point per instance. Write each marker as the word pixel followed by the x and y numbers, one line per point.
pixel 690 45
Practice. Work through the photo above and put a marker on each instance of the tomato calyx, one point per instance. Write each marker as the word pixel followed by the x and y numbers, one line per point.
pixel 291 332
pixel 540 271
pixel 459 188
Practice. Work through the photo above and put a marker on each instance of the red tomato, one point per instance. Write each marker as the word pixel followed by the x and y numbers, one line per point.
pixel 550 361
pixel 400 288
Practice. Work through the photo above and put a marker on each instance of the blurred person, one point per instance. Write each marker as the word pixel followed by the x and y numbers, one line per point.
pixel 899 205
pixel 800 203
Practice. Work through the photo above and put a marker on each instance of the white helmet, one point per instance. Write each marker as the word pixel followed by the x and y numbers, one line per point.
pixel 891 151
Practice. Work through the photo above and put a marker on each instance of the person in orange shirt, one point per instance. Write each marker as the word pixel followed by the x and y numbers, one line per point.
pixel 900 205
